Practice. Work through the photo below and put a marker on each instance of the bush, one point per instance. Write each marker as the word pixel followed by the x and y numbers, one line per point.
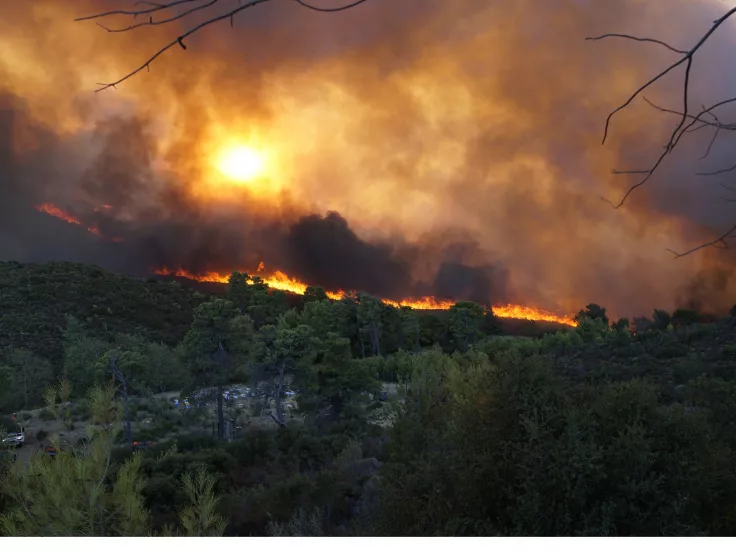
pixel 42 435
pixel 46 415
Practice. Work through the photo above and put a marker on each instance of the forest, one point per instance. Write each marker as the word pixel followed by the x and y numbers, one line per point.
pixel 240 410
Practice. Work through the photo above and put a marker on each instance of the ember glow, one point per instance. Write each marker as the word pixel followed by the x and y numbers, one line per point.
pixel 279 280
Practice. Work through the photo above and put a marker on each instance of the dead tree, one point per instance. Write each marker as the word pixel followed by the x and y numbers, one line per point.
pixel 123 380
pixel 155 14
pixel 690 119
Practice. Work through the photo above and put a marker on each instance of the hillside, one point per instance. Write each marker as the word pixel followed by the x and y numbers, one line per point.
pixel 596 430
pixel 36 298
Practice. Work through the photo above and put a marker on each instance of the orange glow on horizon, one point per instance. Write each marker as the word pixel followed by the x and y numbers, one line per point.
pixel 279 280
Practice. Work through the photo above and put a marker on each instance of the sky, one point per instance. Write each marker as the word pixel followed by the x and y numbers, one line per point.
pixel 420 147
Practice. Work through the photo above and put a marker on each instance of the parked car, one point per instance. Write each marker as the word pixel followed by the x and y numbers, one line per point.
pixel 15 439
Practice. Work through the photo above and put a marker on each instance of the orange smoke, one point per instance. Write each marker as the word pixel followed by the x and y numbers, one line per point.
pixel 465 119
pixel 279 280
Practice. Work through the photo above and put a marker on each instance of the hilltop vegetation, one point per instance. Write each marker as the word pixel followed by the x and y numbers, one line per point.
pixel 36 298
pixel 354 418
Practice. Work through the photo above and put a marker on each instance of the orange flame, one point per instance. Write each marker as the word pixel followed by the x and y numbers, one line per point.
pixel 531 313
pixel 279 280
pixel 57 212
pixel 54 211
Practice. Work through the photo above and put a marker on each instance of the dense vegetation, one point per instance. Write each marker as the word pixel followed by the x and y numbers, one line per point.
pixel 363 419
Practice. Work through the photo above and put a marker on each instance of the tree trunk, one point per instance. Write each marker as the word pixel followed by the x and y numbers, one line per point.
pixel 376 342
pixel 279 417
pixel 220 412
pixel 124 382
pixel 128 431
pixel 221 364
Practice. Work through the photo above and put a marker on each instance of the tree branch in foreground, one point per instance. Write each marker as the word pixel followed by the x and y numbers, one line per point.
pixel 687 122
pixel 682 127
pixel 165 11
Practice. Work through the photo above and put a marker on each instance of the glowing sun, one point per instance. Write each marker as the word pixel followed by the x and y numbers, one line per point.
pixel 241 163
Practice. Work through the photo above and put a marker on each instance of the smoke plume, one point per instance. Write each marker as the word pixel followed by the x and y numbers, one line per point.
pixel 420 147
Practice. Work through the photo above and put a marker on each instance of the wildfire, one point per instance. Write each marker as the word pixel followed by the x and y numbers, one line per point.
pixel 56 212
pixel 279 280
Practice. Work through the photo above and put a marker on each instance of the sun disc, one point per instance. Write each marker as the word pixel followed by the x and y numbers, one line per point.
pixel 241 164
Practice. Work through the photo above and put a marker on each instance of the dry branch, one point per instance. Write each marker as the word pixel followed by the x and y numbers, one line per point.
pixel 687 123
pixel 165 10
pixel 681 128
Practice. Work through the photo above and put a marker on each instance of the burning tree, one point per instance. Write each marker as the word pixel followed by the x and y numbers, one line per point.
pixel 155 14
pixel 689 120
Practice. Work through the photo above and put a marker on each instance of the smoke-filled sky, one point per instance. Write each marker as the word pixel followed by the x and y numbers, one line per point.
pixel 411 147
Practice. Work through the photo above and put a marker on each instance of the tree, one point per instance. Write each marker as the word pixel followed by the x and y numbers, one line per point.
pixel 689 121
pixel 593 312
pixel 71 494
pixel 29 376
pixel 314 293
pixel 78 493
pixel 282 349
pixel 164 12
pixel 200 518
pixel 238 291
pixel 82 354
pixel 465 321
pixel 219 338
pixel 370 324
pixel 338 376
pixel 165 371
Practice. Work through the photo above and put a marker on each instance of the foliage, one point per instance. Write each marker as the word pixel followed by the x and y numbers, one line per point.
pixel 404 422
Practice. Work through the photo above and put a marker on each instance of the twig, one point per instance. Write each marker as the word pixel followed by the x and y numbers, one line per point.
pixel 155 7
pixel 719 240
pixel 721 171
pixel 152 22
pixel 677 133
pixel 638 39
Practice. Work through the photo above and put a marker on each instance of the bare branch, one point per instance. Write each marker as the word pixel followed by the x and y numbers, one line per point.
pixel 152 21
pixel 721 171
pixel 687 123
pixel 681 127
pixel 341 8
pixel 720 240
pixel 154 8
pixel 136 13
pixel 638 39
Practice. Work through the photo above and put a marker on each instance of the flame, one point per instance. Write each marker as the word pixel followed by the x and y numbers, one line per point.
pixel 530 313
pixel 57 212
pixel 281 281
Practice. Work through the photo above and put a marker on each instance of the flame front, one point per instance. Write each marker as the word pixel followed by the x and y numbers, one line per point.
pixel 279 280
